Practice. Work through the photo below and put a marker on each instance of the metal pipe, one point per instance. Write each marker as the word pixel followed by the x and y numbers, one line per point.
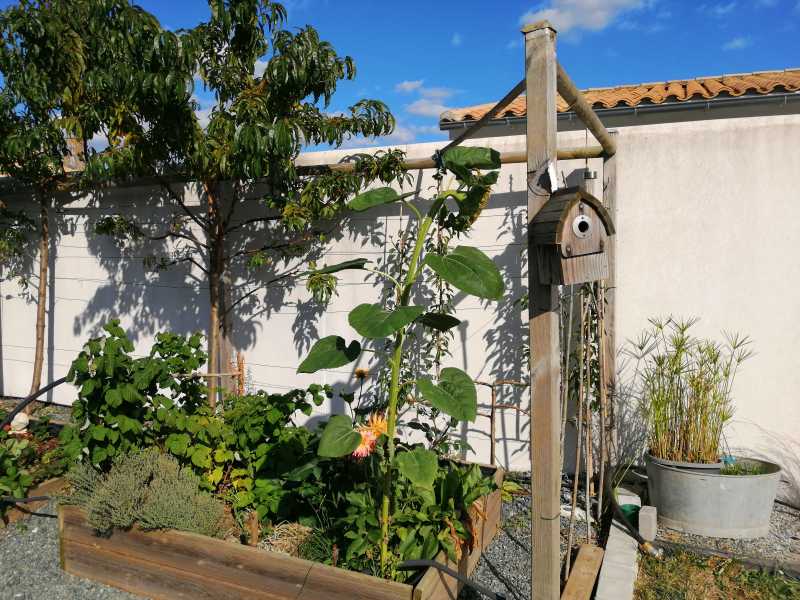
pixel 576 100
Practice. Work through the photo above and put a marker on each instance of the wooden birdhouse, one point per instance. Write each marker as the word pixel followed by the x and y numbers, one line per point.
pixel 570 234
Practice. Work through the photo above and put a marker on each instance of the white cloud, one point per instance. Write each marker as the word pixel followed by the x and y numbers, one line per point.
pixel 718 10
pixel 408 86
pixel 569 15
pixel 439 93
pixel 738 43
pixel 402 134
pixel 427 107
pixel 456 39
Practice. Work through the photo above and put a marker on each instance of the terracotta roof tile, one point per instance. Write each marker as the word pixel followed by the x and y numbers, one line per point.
pixel 764 82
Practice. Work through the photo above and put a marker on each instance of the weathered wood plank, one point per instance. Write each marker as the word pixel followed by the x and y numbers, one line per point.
pixel 338 584
pixel 584 573
pixel 182 552
pixel 540 74
pixel 18 512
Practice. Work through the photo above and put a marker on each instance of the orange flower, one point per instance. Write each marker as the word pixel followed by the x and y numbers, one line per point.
pixel 361 374
pixel 374 428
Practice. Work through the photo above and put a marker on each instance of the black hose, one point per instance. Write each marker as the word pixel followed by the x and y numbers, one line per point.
pixel 751 562
pixel 10 416
pixel 423 564
pixel 13 500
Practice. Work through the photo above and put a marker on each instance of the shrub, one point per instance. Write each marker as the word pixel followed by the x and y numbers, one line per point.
pixel 145 487
pixel 686 387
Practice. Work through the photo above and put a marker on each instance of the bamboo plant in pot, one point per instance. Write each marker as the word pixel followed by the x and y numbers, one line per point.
pixel 686 388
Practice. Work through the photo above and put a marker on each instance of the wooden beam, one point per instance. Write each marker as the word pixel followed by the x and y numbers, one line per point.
pixel 473 129
pixel 411 164
pixel 540 76
pixel 577 102
pixel 581 580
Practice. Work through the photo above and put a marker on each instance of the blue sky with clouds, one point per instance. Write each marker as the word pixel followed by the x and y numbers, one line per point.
pixel 423 56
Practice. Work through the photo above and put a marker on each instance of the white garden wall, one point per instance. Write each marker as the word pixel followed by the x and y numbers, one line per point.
pixel 705 220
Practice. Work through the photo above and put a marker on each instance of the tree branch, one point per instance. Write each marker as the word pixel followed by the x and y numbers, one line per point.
pixel 253 220
pixel 277 278
pixel 201 221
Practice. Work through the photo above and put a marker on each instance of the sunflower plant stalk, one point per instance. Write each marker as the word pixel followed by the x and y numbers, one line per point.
pixel 454 394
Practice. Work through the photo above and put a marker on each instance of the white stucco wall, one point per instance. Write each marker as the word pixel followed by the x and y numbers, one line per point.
pixel 705 221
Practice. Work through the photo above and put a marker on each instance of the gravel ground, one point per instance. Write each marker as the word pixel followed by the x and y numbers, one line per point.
pixel 782 544
pixel 29 566
pixel 506 565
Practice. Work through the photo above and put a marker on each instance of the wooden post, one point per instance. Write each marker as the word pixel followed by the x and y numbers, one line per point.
pixel 540 76
pixel 609 373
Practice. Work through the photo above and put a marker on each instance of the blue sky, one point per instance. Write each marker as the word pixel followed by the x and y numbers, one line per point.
pixel 423 56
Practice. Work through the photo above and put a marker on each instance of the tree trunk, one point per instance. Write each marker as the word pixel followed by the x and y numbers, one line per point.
pixel 41 296
pixel 215 272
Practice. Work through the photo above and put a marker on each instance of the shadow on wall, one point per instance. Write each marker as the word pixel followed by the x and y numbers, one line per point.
pixel 171 290
pixel 784 451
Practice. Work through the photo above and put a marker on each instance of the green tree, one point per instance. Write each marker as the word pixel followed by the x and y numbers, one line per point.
pixel 68 71
pixel 272 88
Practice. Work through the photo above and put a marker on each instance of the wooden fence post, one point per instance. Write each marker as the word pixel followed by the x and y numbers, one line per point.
pixel 540 76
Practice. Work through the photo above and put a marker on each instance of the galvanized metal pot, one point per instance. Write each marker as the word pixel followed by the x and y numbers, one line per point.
pixel 696 498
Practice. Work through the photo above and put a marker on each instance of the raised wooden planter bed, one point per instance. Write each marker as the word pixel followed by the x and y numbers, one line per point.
pixel 20 512
pixel 178 565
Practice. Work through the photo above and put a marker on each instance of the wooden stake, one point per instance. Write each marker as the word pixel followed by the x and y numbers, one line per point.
pixel 576 476
pixel 565 386
pixel 540 77
pixel 588 416
pixel 603 394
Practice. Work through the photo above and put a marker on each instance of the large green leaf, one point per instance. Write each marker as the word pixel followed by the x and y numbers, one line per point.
pixel 470 270
pixel 418 465
pixel 371 321
pixel 455 395
pixel 328 353
pixel 338 438
pixel 462 159
pixel 376 197
pixel 438 321
pixel 356 263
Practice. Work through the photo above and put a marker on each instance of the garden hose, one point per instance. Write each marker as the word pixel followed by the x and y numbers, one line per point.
pixel 10 416
pixel 423 564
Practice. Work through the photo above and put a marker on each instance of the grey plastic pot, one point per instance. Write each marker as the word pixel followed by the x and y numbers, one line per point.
pixel 704 502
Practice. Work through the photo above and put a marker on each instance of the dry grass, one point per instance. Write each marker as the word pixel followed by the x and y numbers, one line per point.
pixel 688 577
pixel 286 538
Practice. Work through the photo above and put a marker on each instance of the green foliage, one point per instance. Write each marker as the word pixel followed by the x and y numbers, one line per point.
pixel 470 270
pixel 147 488
pixel 455 395
pixel 376 197
pixel 328 353
pixel 438 321
pixel 119 394
pixel 372 322
pixel 14 478
pixel 16 229
pixel 338 438
pixel 419 466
